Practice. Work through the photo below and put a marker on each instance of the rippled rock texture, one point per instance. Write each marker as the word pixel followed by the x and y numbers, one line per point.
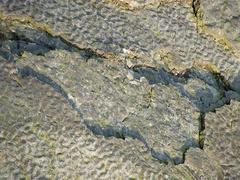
pixel 116 89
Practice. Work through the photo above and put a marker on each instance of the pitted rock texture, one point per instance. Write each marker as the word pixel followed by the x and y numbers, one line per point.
pixel 223 17
pixel 103 92
pixel 106 27
pixel 43 137
pixel 48 137
pixel 97 89
pixel 222 139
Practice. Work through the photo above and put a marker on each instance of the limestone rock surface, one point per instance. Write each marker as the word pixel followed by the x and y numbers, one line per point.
pixel 128 89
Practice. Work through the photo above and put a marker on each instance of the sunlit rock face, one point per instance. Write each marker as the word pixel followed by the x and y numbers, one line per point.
pixel 116 89
pixel 223 17
pixel 222 137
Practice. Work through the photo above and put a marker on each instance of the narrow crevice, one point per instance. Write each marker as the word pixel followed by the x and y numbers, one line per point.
pixel 155 76
pixel 195 7
pixel 196 13
pixel 39 43
pixel 87 53
pixel 201 129
pixel 217 81
pixel 184 154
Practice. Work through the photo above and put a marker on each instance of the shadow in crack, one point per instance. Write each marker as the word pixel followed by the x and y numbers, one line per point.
pixel 203 97
pixel 13 43
pixel 207 91
pixel 235 85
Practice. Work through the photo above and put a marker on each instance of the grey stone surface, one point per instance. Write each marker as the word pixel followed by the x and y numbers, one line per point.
pixel 106 100
pixel 222 139
pixel 107 27
pixel 41 136
pixel 223 17
pixel 102 92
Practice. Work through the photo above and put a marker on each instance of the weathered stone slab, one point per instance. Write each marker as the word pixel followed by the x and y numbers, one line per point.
pixel 222 140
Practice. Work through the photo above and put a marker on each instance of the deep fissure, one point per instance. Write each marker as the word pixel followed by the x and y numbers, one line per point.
pixel 201 130
pixel 195 7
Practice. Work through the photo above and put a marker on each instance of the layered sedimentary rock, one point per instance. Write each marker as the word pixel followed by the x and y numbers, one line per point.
pixel 107 89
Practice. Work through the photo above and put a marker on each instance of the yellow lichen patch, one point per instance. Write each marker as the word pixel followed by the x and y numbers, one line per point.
pixel 156 3
pixel 203 65
pixel 212 68
pixel 168 58
pixel 15 20
pixel 222 40
pixel 17 80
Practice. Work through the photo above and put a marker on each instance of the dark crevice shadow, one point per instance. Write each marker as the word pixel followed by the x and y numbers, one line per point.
pixel 201 130
pixel 14 44
pixel 203 96
pixel 195 7
pixel 154 77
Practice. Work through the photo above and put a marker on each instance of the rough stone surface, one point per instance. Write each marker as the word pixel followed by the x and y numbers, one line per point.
pixel 223 17
pixel 97 91
pixel 116 89
pixel 41 136
pixel 222 139
pixel 109 28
